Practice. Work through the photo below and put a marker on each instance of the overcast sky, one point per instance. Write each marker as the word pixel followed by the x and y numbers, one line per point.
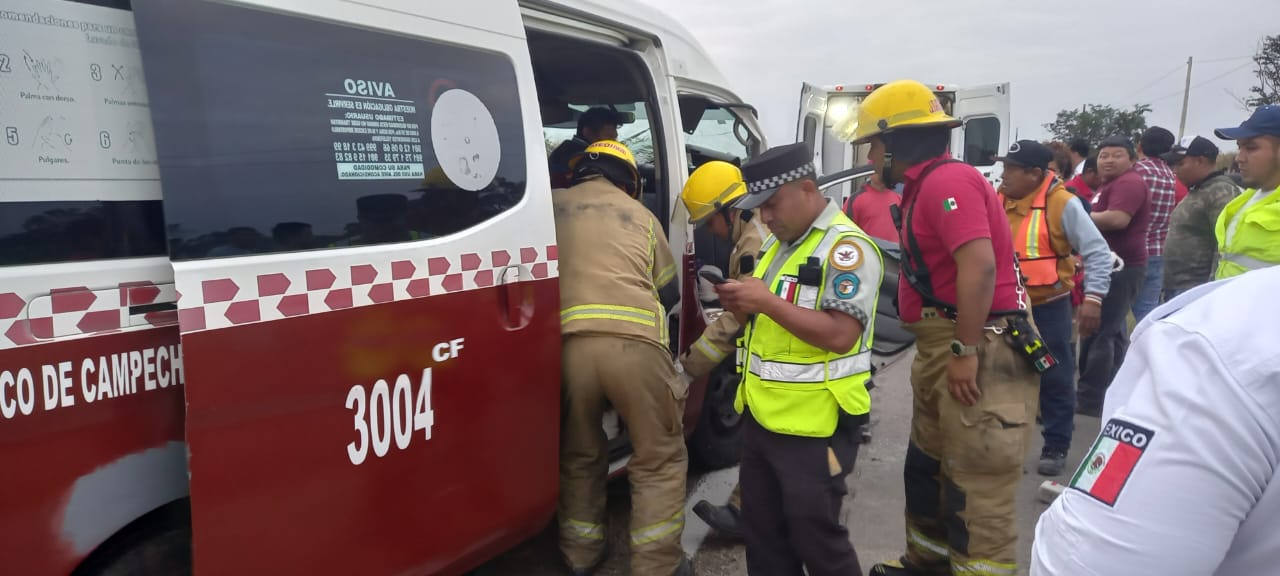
pixel 1055 55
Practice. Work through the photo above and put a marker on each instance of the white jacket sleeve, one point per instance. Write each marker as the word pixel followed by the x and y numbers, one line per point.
pixel 1169 504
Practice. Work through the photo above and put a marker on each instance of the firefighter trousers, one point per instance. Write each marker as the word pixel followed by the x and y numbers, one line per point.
pixel 964 463
pixel 639 380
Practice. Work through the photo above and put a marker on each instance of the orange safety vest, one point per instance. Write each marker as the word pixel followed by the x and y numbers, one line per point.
pixel 1036 257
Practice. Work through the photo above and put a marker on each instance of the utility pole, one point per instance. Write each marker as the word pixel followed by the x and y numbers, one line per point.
pixel 1186 95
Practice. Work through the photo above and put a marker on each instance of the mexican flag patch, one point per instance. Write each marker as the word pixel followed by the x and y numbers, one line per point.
pixel 949 204
pixel 786 288
pixel 1111 460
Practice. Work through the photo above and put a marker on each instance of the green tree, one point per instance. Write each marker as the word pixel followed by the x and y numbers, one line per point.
pixel 1267 61
pixel 1095 122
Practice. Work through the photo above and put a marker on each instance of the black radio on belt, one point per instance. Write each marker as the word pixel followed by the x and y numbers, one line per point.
pixel 1027 342
pixel 811 272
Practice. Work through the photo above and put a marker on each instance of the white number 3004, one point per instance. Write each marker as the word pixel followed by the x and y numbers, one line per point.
pixel 392 414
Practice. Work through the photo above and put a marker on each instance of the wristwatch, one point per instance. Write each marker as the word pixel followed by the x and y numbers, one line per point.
pixel 959 350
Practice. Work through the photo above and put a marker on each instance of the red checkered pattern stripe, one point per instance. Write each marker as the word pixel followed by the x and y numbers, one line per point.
pixel 77 311
pixel 226 302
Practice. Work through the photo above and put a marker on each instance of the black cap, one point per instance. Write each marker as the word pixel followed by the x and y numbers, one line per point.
pixel 765 173
pixel 597 117
pixel 1265 121
pixel 1028 154
pixel 1200 147
pixel 1118 142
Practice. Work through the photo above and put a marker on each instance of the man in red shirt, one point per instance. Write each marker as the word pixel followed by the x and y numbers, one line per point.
pixel 870 209
pixel 1087 181
pixel 975 396
pixel 1123 214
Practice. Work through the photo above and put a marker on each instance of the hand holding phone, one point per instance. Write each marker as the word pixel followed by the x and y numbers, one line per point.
pixel 712 275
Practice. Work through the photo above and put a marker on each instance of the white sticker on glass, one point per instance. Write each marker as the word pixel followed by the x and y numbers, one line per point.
pixel 466 140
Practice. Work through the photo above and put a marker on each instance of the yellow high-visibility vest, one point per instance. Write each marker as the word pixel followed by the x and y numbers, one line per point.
pixel 791 386
pixel 1256 242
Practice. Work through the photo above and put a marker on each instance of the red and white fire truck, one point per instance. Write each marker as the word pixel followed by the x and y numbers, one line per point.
pixel 278 282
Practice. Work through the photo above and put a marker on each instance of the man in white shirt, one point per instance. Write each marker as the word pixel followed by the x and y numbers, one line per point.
pixel 1179 482
pixel 1079 151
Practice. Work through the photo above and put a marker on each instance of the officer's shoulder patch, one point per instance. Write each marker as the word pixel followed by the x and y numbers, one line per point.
pixel 846 254
pixel 846 285
pixel 1111 460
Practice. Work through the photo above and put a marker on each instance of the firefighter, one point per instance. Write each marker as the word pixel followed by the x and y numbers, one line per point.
pixel 975 394
pixel 617 284
pixel 709 196
pixel 809 308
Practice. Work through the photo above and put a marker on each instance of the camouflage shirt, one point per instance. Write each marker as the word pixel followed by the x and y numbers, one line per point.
pixel 1191 248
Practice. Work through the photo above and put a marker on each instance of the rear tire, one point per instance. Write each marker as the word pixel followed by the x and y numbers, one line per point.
pixel 158 544
pixel 717 441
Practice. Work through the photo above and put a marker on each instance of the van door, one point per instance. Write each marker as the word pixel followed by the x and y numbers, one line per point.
pixel 810 130
pixel 362 241
pixel 985 113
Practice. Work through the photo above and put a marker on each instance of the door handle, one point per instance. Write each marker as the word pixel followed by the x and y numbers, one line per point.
pixel 515 297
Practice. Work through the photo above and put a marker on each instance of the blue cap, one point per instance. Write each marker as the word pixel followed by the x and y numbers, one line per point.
pixel 1264 122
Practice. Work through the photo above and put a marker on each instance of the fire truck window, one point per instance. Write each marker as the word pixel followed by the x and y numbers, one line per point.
pixel 52 232
pixel 369 138
pixel 982 141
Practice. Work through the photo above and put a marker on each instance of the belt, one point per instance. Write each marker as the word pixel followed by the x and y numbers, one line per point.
pixel 996 324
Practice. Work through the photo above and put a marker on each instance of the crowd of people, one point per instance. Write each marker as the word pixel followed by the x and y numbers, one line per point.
pixel 996 286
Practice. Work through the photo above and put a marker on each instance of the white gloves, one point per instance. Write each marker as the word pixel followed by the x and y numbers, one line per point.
pixel 683 375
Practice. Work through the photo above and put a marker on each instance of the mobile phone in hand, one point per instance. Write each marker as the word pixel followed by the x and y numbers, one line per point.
pixel 713 276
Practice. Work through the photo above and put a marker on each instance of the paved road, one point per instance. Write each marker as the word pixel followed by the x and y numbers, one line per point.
pixel 873 513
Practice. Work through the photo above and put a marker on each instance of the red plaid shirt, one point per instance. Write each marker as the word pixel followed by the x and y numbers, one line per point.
pixel 1164 196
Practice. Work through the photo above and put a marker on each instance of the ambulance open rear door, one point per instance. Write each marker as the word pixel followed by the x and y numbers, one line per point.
pixel 985 113
pixel 362 239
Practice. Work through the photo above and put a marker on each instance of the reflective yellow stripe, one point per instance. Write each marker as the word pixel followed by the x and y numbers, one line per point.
pixel 665 276
pixel 709 350
pixel 983 568
pixel 586 530
pixel 930 546
pixel 656 532
pixel 608 312
pixel 1033 234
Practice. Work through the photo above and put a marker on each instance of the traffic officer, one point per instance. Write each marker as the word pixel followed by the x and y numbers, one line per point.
pixel 1247 227
pixel 617 284
pixel 809 309
pixel 1182 479
pixel 709 196
pixel 975 395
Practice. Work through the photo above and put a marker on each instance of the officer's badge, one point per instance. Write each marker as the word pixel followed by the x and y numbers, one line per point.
pixel 846 286
pixel 846 255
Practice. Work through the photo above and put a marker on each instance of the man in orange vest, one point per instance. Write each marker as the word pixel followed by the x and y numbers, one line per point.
pixel 1049 223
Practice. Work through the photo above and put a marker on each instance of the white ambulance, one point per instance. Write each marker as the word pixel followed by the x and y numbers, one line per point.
pixel 278 278
pixel 983 109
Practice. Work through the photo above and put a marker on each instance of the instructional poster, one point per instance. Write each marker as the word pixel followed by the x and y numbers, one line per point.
pixel 73 102
pixel 375 133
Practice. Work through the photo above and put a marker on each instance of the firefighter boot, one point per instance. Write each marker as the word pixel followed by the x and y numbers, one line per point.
pixel 685 568
pixel 724 519
pixel 896 568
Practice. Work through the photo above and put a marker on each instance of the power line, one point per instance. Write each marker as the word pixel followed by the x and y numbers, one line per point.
pixel 1229 59
pixel 1206 82
pixel 1157 80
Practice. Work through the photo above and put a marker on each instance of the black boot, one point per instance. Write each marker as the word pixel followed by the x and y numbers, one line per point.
pixel 685 568
pixel 895 568
pixel 724 519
